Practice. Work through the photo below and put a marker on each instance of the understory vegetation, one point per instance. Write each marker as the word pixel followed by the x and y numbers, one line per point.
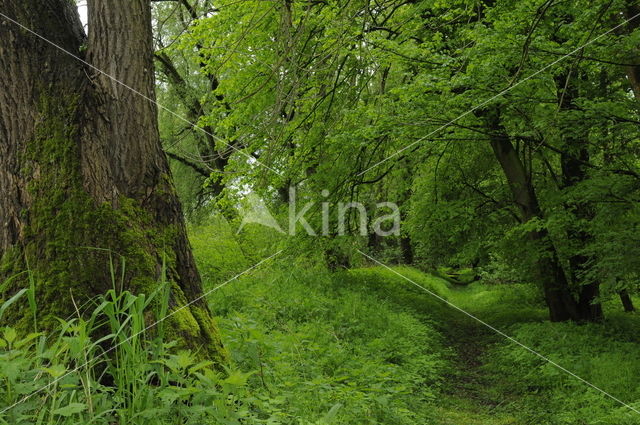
pixel 369 345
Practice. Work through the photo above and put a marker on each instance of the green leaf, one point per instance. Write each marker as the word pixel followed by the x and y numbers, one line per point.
pixel 237 378
pixel 70 410
pixel 328 418
pixel 10 334
pixel 55 371
pixel 12 300
pixel 28 339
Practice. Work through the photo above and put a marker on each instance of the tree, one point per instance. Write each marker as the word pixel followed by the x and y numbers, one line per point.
pixel 84 183
pixel 561 304
pixel 372 101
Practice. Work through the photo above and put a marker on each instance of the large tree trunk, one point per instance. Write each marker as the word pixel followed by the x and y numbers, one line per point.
pixel 82 174
pixel 560 302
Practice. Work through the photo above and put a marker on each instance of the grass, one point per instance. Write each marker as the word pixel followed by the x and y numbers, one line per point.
pixel 310 347
pixel 496 381
pixel 317 347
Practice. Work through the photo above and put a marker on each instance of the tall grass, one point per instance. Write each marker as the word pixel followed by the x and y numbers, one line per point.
pixel 106 368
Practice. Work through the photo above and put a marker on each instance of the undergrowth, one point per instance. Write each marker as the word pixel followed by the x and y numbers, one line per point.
pixel 310 347
pixel 319 349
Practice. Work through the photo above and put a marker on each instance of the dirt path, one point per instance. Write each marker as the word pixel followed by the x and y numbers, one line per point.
pixel 467 396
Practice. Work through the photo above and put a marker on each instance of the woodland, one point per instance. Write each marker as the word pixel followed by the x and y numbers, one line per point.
pixel 315 212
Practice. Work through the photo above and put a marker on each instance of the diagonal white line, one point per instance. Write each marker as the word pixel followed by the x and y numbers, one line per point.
pixel 502 93
pixel 499 332
pixel 206 294
pixel 164 108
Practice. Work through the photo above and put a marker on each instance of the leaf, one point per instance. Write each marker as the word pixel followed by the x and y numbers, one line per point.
pixel 12 300
pixel 28 339
pixel 11 370
pixel 55 371
pixel 237 378
pixel 201 365
pixel 10 334
pixel 328 418
pixel 184 359
pixel 70 410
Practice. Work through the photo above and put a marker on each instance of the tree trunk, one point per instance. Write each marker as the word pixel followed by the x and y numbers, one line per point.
pixel 407 249
pixel 627 303
pixel 560 302
pixel 573 172
pixel 573 160
pixel 633 72
pixel 83 178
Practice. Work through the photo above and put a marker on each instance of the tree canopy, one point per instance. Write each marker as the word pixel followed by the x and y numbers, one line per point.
pixel 507 131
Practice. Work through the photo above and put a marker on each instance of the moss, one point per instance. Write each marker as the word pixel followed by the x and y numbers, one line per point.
pixel 7 262
pixel 72 244
pixel 70 241
pixel 195 325
pixel 184 325
pixel 210 331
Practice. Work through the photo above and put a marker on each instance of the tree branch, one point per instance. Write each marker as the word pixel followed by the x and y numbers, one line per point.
pixel 184 161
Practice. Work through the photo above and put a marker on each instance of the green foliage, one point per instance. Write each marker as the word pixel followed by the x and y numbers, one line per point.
pixel 306 346
pixel 219 252
pixel 320 92
pixel 319 345
pixel 518 386
pixel 546 395
pixel 110 368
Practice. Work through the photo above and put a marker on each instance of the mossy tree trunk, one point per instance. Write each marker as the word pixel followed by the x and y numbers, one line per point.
pixel 83 178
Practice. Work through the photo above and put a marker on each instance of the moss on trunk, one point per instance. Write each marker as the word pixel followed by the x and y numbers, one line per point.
pixel 94 192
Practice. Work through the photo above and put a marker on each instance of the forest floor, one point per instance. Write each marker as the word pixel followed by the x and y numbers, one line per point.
pixel 473 393
pixel 467 396
pixel 369 345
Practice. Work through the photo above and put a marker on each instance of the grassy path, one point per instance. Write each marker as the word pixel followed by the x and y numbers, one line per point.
pixel 527 391
pixel 468 397
pixel 386 352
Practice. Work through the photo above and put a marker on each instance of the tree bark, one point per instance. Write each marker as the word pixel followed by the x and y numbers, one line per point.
pixel 83 178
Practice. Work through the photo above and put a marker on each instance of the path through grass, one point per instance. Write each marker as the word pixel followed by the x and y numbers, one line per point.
pixel 492 381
